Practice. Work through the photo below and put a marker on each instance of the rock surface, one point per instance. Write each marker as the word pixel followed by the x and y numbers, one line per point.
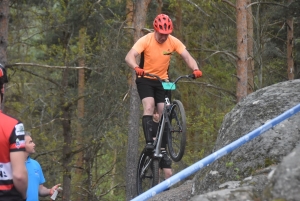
pixel 285 181
pixel 265 168
pixel 183 192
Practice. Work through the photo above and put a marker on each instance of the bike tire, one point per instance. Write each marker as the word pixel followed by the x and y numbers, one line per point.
pixel 177 136
pixel 147 173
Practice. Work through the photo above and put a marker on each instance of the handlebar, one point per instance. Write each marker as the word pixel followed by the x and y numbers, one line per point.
pixel 177 79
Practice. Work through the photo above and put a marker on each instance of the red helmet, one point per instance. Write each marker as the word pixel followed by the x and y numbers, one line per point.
pixel 163 24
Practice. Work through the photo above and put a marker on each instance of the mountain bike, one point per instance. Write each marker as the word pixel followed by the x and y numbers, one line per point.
pixel 173 122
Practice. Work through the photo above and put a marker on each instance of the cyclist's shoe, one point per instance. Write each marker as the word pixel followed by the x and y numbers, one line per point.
pixel 149 148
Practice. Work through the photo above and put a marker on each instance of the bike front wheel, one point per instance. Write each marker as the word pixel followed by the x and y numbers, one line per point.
pixel 177 132
pixel 147 173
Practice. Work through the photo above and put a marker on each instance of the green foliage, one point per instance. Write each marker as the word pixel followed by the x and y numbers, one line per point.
pixel 47 33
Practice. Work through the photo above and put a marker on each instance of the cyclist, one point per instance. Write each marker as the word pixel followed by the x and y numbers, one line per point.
pixel 157 48
pixel 13 173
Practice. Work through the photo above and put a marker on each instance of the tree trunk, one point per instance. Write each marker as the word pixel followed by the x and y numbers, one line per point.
pixel 250 67
pixel 4 12
pixel 129 12
pixel 241 24
pixel 88 167
pixel 66 124
pixel 260 47
pixel 80 109
pixel 67 151
pixel 139 20
pixel 159 7
pixel 290 45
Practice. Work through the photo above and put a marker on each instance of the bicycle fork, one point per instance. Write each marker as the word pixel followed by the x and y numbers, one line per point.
pixel 157 152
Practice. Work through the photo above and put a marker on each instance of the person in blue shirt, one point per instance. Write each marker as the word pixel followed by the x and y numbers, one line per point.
pixel 36 177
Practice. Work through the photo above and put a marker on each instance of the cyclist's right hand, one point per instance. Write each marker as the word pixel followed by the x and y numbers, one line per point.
pixel 197 73
pixel 139 71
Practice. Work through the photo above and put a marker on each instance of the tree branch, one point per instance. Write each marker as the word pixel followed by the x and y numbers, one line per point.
pixel 40 76
pixel 277 4
pixel 229 3
pixel 230 54
pixel 47 66
pixel 46 153
pixel 143 29
pixel 147 30
pixel 197 7
pixel 212 86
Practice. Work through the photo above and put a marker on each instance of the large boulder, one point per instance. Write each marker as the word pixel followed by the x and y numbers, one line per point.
pixel 251 163
pixel 285 181
pixel 265 168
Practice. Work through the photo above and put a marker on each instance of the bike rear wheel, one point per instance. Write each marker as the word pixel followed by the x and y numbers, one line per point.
pixel 177 133
pixel 147 173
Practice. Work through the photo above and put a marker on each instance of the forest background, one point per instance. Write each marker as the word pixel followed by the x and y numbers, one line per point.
pixel 70 85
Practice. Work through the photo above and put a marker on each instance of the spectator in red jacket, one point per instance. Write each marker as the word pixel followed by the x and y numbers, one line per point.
pixel 13 173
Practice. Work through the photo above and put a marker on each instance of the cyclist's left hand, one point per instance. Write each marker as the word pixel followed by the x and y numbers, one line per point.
pixel 197 73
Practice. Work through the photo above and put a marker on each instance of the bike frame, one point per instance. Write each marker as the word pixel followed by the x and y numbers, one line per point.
pixel 164 118
pixel 161 127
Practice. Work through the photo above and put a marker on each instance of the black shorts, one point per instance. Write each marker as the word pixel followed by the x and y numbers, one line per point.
pixel 150 88
pixel 165 162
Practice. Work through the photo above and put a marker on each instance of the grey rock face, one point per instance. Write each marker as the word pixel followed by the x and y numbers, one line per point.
pixel 267 167
pixel 263 151
pixel 285 182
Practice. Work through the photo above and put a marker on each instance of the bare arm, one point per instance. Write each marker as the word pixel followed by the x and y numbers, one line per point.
pixel 189 60
pixel 131 58
pixel 19 171
pixel 43 191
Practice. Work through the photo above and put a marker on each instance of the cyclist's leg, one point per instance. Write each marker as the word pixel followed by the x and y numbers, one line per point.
pixel 159 97
pixel 151 94
pixel 148 105
pixel 147 127
pixel 146 93
pixel 165 165
pixel 147 121
pixel 160 108
pixel 167 172
pixel 159 103
pixel 155 123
